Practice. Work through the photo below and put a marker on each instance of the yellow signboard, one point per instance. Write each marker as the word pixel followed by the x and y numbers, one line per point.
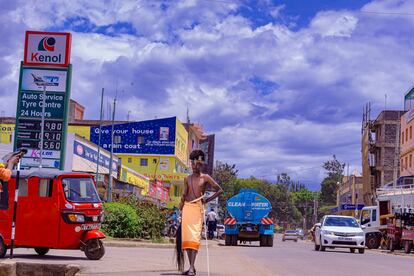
pixel 181 142
pixel 6 133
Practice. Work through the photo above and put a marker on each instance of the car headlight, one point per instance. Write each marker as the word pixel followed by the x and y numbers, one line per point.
pixel 73 218
pixel 327 232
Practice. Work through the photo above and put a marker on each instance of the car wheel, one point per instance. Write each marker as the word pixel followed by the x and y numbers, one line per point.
pixel 3 248
pixel 352 250
pixel 361 250
pixel 296 240
pixel 317 247
pixel 41 251
pixel 283 239
pixel 321 247
pixel 408 246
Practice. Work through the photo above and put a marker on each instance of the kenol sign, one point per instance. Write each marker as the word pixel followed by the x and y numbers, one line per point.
pixel 47 48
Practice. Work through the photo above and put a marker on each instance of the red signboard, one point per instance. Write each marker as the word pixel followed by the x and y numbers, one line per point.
pixel 158 191
pixel 47 48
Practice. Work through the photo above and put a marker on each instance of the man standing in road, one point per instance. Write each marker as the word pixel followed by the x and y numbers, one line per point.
pixel 211 223
pixel 192 208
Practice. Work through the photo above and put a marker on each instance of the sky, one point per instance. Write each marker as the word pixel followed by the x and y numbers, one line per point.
pixel 281 84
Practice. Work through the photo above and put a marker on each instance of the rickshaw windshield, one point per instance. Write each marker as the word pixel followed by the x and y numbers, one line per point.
pixel 80 190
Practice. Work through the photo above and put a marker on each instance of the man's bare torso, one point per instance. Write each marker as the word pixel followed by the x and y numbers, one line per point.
pixel 196 187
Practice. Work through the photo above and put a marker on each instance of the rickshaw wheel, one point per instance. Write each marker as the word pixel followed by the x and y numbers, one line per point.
pixel 41 251
pixel 3 248
pixel 94 249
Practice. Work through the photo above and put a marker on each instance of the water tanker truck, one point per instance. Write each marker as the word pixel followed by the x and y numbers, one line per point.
pixel 248 219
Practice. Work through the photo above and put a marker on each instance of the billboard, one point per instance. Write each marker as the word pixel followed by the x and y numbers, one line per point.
pixel 91 155
pixel 47 48
pixel 29 115
pixel 146 137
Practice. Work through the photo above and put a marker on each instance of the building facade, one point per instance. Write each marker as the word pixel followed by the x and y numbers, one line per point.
pixel 382 139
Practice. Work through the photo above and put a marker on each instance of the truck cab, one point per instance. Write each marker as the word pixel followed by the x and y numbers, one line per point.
pixel 370 223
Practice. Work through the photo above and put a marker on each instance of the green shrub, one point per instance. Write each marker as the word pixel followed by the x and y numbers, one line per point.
pixel 121 220
pixel 151 219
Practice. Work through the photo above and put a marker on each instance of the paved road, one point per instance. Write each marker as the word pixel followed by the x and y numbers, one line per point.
pixel 285 258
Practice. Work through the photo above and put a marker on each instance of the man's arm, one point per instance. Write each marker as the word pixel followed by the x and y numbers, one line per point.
pixel 184 194
pixel 215 186
pixel 5 173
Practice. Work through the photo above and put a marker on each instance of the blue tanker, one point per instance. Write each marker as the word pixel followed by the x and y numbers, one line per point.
pixel 248 220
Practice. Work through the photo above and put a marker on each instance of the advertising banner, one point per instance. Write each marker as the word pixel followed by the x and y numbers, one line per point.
pixel 91 154
pixel 47 48
pixel 32 79
pixel 146 137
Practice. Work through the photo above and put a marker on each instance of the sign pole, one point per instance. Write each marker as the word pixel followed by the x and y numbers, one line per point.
pixel 16 196
pixel 42 126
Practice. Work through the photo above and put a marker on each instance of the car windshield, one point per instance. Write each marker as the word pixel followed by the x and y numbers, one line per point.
pixel 341 221
pixel 80 190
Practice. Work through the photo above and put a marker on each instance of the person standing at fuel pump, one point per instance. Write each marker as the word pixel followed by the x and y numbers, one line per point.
pixel 192 208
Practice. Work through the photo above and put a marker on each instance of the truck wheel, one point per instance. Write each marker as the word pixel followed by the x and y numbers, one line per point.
pixel 3 248
pixel 41 251
pixel 408 246
pixel 372 242
pixel 228 240
pixel 94 249
pixel 269 240
pixel 392 245
pixel 263 240
pixel 234 240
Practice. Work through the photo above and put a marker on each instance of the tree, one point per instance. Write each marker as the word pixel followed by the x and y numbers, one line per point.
pixel 329 185
pixel 224 173
pixel 303 200
pixel 334 169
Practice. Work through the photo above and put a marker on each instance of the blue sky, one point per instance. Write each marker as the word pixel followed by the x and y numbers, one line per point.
pixel 281 83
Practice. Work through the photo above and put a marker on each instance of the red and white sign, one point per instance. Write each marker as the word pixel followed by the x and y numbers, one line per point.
pixel 47 48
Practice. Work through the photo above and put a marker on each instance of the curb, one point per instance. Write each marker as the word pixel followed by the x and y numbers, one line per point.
pixel 12 268
pixel 115 243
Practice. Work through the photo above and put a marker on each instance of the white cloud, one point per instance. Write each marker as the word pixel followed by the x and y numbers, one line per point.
pixel 204 55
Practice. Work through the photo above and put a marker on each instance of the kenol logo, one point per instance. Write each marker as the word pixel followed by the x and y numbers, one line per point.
pixel 46 44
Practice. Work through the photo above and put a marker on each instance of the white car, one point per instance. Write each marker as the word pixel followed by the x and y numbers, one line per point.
pixel 339 231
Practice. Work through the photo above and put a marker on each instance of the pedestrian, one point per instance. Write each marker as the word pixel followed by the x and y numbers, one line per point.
pixel 6 171
pixel 211 223
pixel 192 202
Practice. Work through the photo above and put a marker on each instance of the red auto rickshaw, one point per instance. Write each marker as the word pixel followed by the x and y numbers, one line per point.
pixel 55 209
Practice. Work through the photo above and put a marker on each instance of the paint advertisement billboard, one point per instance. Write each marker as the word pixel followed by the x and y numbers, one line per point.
pixel 47 48
pixel 146 137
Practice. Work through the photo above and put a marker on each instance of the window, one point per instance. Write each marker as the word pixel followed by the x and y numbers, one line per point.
pixel 4 196
pixel 143 162
pixel 402 164
pixel 117 139
pixel 406 134
pixel 80 190
pixel 129 160
pixel 411 160
pixel 406 162
pixel 45 187
pixel 23 187
pixel 411 132
pixel 140 140
pixel 374 215
pixel 402 137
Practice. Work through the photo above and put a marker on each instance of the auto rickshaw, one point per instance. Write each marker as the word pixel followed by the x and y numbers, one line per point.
pixel 55 210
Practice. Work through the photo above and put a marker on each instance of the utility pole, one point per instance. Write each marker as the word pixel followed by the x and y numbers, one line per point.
pixel 99 137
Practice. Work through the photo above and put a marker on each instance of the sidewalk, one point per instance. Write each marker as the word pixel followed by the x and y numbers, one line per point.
pixel 113 242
